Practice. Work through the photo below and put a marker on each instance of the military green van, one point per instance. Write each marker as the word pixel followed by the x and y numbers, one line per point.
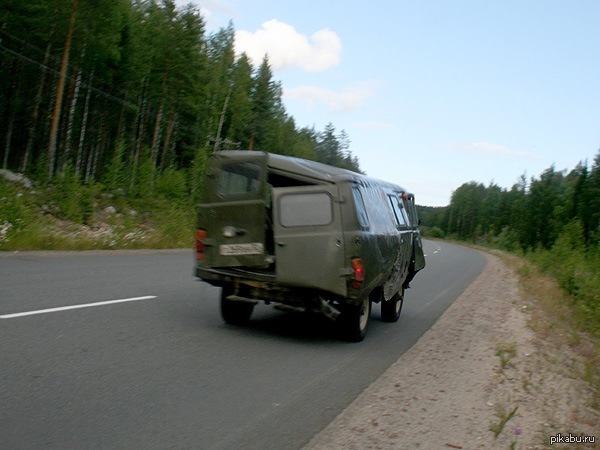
pixel 305 236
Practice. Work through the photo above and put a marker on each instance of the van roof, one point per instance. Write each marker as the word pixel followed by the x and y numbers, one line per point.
pixel 309 169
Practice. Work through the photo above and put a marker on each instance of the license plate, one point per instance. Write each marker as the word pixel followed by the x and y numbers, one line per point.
pixel 255 248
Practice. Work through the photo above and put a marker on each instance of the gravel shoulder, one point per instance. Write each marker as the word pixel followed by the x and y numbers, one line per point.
pixel 480 371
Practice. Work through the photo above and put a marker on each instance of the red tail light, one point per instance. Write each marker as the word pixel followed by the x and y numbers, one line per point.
pixel 200 237
pixel 359 272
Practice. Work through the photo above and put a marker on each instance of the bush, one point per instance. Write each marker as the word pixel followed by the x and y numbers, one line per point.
pixel 174 221
pixel 172 184
pixel 114 178
pixel 14 213
pixel 507 239
pixel 577 271
pixel 435 232
pixel 143 177
pixel 74 199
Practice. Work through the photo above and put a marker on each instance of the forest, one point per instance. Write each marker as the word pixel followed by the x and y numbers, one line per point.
pixel 124 92
pixel 532 214
pixel 553 219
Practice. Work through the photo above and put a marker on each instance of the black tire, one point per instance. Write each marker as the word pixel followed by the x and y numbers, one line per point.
pixel 390 310
pixel 355 320
pixel 234 312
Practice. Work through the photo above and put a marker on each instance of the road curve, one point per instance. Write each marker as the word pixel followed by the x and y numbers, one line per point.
pixel 127 350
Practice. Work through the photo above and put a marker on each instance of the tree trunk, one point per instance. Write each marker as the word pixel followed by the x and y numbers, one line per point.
pixel 67 151
pixel 122 118
pixel 36 108
pixel 136 121
pixel 12 106
pixel 139 127
pixel 60 92
pixel 9 131
pixel 98 153
pixel 170 128
pixel 156 133
pixel 251 141
pixel 90 158
pixel 86 111
pixel 221 120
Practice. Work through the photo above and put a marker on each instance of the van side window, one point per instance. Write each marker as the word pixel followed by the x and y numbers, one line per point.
pixel 398 209
pixel 300 210
pixel 361 210
pixel 242 178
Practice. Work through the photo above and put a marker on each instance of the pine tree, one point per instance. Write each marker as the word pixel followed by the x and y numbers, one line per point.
pixel 266 107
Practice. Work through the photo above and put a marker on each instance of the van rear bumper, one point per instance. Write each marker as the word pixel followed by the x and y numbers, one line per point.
pixel 221 276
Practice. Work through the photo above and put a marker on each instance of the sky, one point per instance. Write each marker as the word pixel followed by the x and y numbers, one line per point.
pixel 434 93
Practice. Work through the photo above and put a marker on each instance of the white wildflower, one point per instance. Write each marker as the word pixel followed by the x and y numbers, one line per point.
pixel 5 227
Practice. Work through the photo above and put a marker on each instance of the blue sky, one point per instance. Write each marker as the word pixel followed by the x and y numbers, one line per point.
pixel 434 93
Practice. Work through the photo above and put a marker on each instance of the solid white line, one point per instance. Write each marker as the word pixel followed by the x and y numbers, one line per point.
pixel 65 308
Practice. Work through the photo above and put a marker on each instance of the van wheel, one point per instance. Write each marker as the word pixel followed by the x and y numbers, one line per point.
pixel 390 310
pixel 355 320
pixel 233 312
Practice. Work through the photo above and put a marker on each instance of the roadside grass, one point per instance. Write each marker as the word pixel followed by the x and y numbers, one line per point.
pixel 79 217
pixel 557 316
pixel 506 351
pixel 503 415
pixel 554 320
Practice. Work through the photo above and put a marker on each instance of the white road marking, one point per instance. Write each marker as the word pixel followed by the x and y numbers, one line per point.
pixel 65 308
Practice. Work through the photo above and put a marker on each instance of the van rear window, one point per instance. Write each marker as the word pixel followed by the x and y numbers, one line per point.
pixel 300 210
pixel 238 179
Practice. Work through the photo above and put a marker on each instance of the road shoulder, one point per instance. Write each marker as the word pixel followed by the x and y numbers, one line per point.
pixel 480 371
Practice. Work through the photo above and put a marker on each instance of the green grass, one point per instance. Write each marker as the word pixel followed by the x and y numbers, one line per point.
pixel 72 216
pixel 503 417
pixel 506 351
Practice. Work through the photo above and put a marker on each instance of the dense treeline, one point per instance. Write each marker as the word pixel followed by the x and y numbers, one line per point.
pixel 126 92
pixel 553 219
pixel 532 214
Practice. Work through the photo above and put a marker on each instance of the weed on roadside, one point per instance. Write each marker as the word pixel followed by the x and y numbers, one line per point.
pixel 503 416
pixel 506 351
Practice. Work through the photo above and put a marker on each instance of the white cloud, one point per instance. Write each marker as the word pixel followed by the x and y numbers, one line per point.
pixel 287 48
pixel 487 148
pixel 342 101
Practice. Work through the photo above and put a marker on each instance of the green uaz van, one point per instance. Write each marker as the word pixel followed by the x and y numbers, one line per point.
pixel 305 236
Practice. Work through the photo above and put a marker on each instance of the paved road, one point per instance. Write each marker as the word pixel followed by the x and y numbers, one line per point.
pixel 164 371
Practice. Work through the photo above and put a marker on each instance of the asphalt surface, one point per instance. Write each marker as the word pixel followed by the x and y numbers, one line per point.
pixel 164 371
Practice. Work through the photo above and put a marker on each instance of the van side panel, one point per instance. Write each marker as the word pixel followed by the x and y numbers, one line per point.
pixel 386 246
pixel 418 254
pixel 383 247
pixel 400 268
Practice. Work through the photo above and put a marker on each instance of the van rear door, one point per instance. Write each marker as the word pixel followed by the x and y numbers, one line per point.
pixel 309 244
pixel 234 216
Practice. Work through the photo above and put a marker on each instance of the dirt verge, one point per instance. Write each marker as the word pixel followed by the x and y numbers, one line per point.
pixel 479 378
